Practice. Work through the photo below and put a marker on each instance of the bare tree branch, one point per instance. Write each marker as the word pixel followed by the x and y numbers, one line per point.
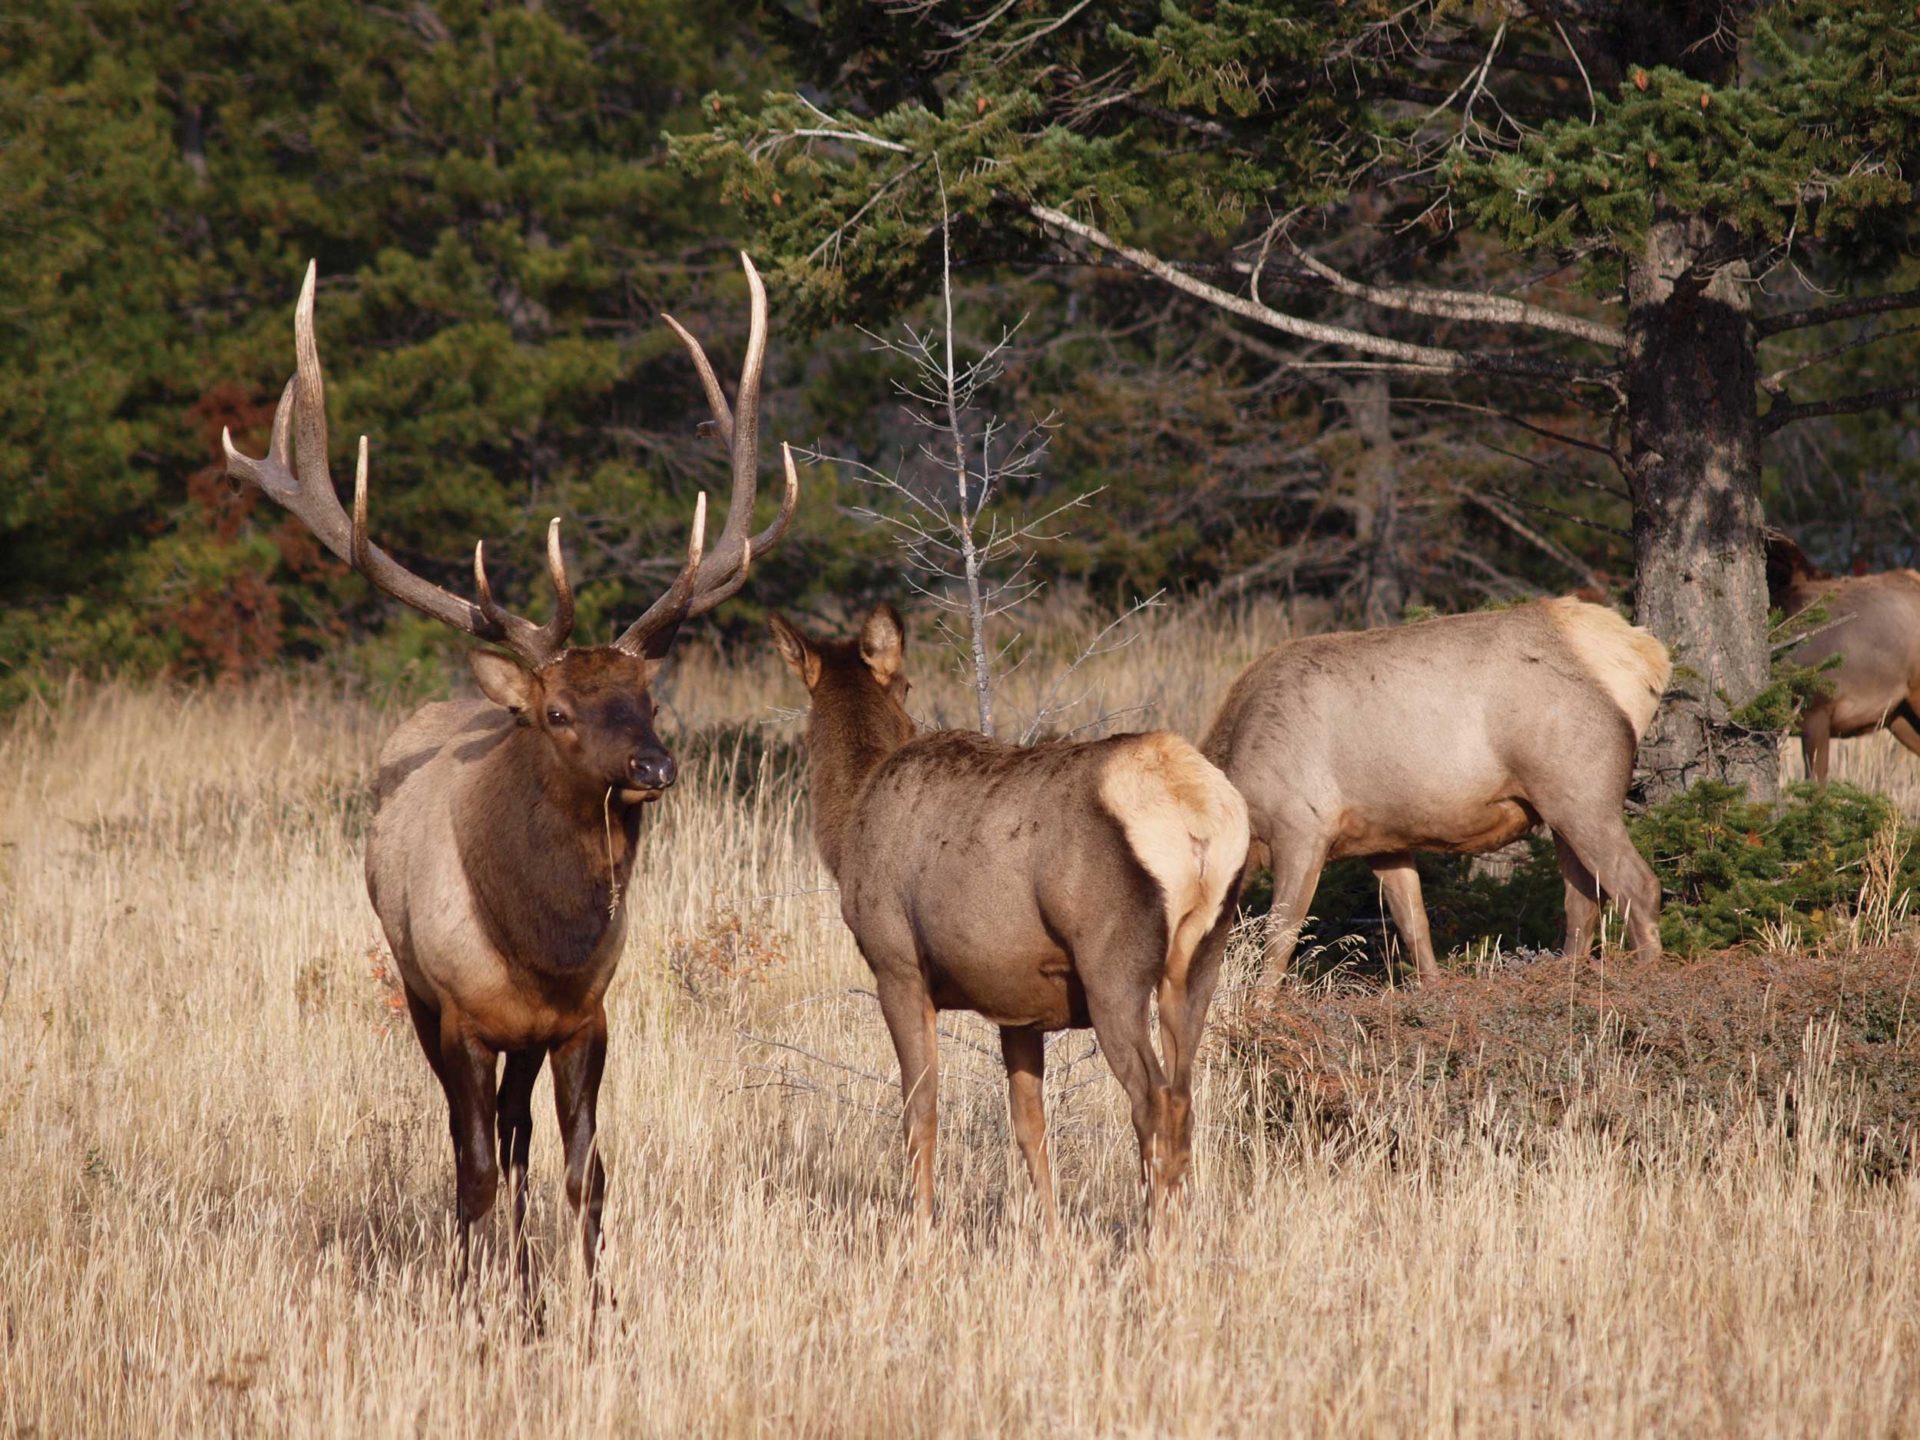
pixel 1530 64
pixel 1891 397
pixel 1775 384
pixel 1533 537
pixel 1541 430
pixel 1465 305
pixel 1767 326
pixel 1427 359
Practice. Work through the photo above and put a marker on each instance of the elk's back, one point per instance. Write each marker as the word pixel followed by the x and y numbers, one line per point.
pixel 1437 734
pixel 995 867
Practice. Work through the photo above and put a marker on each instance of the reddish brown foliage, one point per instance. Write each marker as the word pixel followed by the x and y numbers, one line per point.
pixel 1557 1042
pixel 234 627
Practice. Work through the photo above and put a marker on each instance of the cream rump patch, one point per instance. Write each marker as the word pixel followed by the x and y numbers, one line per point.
pixel 1186 824
pixel 1630 663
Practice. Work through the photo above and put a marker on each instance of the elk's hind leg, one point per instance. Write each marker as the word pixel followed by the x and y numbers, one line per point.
pixel 1583 901
pixel 1297 862
pixel 1185 992
pixel 1119 976
pixel 1025 1051
pixel 1600 842
pixel 1902 724
pixel 515 1108
pixel 1401 881
pixel 579 1062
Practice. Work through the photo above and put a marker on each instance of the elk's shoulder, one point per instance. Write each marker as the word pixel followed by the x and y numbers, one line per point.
pixel 463 729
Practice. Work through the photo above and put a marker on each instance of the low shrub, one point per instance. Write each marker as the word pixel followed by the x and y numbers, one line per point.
pixel 1619 1048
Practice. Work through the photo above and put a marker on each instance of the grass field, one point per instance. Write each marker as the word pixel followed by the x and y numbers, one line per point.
pixel 226 1203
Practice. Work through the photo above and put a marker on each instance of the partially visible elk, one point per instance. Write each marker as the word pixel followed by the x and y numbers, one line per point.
pixel 1457 734
pixel 1873 624
pixel 501 853
pixel 1050 887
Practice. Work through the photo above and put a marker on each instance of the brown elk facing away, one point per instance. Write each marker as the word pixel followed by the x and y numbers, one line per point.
pixel 1043 888
pixel 1456 734
pixel 502 844
pixel 1873 624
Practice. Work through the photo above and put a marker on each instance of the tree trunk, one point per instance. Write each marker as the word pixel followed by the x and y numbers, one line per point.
pixel 1694 472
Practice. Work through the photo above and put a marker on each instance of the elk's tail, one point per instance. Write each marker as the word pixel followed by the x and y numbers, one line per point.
pixel 1629 663
pixel 1187 827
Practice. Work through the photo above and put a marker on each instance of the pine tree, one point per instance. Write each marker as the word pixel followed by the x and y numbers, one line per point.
pixel 485 189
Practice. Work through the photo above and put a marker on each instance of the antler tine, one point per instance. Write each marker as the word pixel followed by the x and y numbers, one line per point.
pixel 724 570
pixel 653 632
pixel 754 545
pixel 295 474
pixel 534 644
pixel 270 474
pixel 716 397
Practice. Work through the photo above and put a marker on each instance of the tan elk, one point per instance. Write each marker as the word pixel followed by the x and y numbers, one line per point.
pixel 1044 888
pixel 1873 624
pixel 501 853
pixel 1456 734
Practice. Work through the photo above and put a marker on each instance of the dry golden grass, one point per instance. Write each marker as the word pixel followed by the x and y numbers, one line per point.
pixel 226 1201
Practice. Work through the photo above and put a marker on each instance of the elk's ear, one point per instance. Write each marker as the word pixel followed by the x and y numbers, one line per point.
pixel 802 659
pixel 883 642
pixel 502 680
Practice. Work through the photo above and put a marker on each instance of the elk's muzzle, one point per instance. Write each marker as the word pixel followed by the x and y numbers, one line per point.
pixel 654 772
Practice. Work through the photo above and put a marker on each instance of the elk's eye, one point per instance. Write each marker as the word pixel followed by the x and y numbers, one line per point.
pixel 558 719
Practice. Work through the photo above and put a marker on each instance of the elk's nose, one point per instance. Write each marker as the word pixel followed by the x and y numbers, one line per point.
pixel 651 772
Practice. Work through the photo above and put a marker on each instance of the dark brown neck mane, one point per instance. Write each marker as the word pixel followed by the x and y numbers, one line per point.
pixel 851 729
pixel 535 845
pixel 1791 576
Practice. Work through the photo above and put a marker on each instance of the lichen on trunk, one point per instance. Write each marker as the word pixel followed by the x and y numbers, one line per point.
pixel 1694 471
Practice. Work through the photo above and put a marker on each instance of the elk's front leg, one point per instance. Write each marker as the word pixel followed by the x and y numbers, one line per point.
pixel 468 1068
pixel 1816 727
pixel 909 1013
pixel 516 1143
pixel 1401 880
pixel 578 1064
pixel 1025 1051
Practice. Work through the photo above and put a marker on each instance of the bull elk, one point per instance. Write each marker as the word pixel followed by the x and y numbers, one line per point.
pixel 1456 734
pixel 1044 888
pixel 502 846
pixel 1873 625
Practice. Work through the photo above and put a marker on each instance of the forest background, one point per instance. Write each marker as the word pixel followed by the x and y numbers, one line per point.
pixel 500 219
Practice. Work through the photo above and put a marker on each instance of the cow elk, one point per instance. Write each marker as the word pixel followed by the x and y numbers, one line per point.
pixel 1456 734
pixel 1873 624
pixel 1044 888
pixel 502 848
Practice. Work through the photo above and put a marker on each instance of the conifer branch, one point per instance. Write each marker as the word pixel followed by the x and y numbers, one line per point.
pixel 1430 359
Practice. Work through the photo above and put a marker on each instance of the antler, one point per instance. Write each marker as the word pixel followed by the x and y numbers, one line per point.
pixel 723 572
pixel 306 489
